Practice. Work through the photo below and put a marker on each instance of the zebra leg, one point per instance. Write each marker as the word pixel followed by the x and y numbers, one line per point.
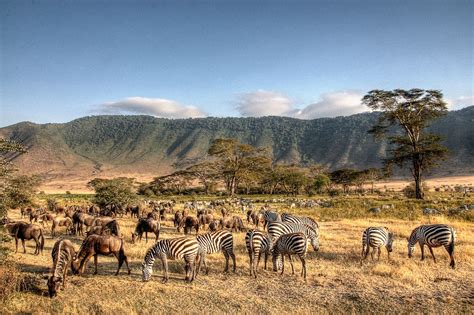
pixel 282 263
pixel 432 254
pixel 251 263
pixel 259 254
pixel 303 267
pixel 450 249
pixel 422 246
pixel 165 268
pixel 233 261
pixel 378 253
pixel 226 255
pixel 266 258
pixel 291 263
pixel 372 253
pixel 388 254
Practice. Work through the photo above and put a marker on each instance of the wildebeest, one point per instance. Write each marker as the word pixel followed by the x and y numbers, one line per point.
pixel 234 223
pixel 205 219
pixel 63 253
pixel 134 211
pixel 178 217
pixel 105 228
pixel 255 217
pixel 213 225
pixel 80 219
pixel 44 218
pixel 145 226
pixel 25 231
pixel 188 223
pixel 95 245
pixel 60 221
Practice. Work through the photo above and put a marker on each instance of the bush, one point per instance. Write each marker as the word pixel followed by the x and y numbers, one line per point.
pixel 409 191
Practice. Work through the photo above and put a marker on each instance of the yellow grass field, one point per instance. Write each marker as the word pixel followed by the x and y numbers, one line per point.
pixel 337 281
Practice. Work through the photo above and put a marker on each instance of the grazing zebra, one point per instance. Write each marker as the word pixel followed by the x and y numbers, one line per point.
pixel 269 216
pixel 277 229
pixel 214 242
pixel 62 254
pixel 288 244
pixel 257 242
pixel 376 237
pixel 175 248
pixel 286 217
pixel 433 235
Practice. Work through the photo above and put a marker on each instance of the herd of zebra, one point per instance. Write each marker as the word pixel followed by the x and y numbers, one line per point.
pixel 284 235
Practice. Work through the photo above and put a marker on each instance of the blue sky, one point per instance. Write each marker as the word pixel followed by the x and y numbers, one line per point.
pixel 61 59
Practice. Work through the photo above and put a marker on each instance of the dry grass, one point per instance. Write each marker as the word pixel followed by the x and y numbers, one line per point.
pixel 337 281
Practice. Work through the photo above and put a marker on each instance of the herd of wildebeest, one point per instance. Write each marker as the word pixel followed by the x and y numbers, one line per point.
pixel 282 234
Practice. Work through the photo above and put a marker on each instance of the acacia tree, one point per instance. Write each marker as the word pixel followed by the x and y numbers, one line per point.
pixel 117 191
pixel 205 172
pixel 235 160
pixel 411 111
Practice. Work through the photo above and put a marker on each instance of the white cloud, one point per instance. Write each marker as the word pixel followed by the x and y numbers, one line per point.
pixel 268 103
pixel 460 102
pixel 151 106
pixel 263 103
pixel 340 103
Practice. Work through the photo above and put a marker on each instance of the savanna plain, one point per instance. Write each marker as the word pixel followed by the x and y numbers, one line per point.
pixel 338 281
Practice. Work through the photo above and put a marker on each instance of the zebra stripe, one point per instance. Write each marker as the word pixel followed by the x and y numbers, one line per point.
pixel 290 244
pixel 176 248
pixel 433 235
pixel 286 217
pixel 376 237
pixel 63 253
pixel 269 216
pixel 214 242
pixel 277 229
pixel 257 242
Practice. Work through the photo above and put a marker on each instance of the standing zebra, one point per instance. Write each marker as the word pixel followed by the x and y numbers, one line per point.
pixel 269 216
pixel 214 242
pixel 286 217
pixel 376 237
pixel 277 229
pixel 175 248
pixel 288 244
pixel 257 242
pixel 433 235
pixel 62 254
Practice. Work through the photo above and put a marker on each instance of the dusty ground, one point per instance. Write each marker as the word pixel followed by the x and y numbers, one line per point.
pixel 337 281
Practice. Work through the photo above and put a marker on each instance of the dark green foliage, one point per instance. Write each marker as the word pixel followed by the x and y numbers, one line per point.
pixel 20 191
pixel 409 112
pixel 117 192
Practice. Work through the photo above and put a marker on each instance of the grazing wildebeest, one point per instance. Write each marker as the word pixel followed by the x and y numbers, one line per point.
pixel 255 217
pixel 60 221
pixel 45 218
pixel 178 217
pixel 224 212
pixel 134 211
pixel 107 228
pixel 205 219
pixel 188 223
pixel 213 225
pixel 95 245
pixel 25 231
pixel 145 226
pixel 234 223
pixel 80 219
pixel 63 253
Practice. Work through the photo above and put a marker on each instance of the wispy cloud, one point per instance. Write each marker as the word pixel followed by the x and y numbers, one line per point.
pixel 151 106
pixel 263 103
pixel 270 103
pixel 460 102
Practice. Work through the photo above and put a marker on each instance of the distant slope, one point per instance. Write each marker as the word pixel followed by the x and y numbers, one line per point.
pixel 123 145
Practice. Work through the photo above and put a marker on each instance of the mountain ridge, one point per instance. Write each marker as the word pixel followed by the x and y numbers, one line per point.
pixel 116 145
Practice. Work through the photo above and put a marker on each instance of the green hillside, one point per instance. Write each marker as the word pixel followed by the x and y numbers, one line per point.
pixel 142 144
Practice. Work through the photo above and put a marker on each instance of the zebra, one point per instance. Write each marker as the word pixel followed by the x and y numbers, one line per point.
pixel 269 216
pixel 257 242
pixel 175 248
pixel 286 217
pixel 63 253
pixel 214 242
pixel 277 229
pixel 433 235
pixel 376 237
pixel 288 244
